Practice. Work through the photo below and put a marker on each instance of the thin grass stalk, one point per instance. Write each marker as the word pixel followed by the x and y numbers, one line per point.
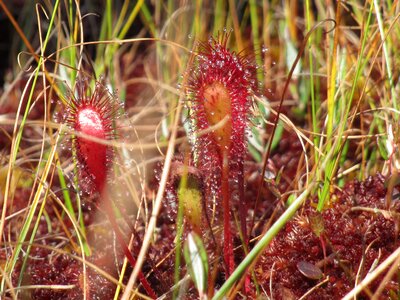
pixel 33 234
pixel 72 40
pixel 331 162
pixel 314 104
pixel 236 26
pixel 254 18
pixel 10 265
pixel 112 48
pixel 15 147
pixel 386 55
pixel 219 16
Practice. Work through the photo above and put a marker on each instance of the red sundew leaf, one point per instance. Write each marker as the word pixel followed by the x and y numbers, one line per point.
pixel 93 114
pixel 92 154
pixel 220 86
pixel 217 108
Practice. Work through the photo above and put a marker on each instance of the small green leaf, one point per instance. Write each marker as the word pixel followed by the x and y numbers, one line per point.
pixel 197 263
pixel 189 194
pixel 290 200
pixel 277 136
pixel 383 150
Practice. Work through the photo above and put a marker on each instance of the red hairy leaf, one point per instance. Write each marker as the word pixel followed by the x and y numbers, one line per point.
pixel 219 88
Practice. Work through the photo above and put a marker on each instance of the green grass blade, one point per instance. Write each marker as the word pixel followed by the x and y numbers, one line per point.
pixel 262 244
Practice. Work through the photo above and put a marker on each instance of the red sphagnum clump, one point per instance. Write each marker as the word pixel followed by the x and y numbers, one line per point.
pixel 338 247
pixel 220 86
pixel 92 114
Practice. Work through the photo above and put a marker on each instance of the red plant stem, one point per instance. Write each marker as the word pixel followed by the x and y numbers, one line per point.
pixel 242 202
pixel 125 216
pixel 228 242
pixel 127 252
pixel 242 217
pixel 321 239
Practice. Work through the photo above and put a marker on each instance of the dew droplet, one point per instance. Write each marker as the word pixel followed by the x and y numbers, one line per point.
pixel 264 49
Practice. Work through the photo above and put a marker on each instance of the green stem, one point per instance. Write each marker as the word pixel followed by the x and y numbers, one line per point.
pixel 179 228
pixel 314 103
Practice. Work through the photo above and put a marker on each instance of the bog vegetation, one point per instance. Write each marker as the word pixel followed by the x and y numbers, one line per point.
pixel 205 149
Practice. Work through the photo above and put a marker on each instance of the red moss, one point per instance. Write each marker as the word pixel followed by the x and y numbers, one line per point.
pixel 334 241
pixel 63 270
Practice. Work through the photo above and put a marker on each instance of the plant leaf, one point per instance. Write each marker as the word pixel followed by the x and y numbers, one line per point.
pixel 197 262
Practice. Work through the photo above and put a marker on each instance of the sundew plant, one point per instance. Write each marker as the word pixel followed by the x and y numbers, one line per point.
pixel 199 149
